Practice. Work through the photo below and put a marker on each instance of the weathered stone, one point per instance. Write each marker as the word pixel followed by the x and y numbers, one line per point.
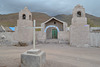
pixel 33 58
pixel 23 30
pixel 79 30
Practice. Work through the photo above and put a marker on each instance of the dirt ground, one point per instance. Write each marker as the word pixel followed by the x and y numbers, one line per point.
pixel 58 55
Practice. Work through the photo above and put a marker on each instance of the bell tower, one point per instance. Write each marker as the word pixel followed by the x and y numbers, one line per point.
pixel 25 14
pixel 24 32
pixel 79 29
pixel 79 15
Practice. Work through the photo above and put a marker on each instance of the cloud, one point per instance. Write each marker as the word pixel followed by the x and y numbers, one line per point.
pixel 51 7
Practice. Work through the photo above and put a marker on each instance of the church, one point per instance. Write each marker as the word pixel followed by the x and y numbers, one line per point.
pixel 78 34
pixel 54 30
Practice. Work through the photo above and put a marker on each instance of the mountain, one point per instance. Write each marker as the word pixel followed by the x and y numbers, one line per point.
pixel 65 18
pixel 40 17
pixel 10 20
pixel 92 20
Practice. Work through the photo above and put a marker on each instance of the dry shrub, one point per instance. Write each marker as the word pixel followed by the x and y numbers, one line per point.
pixel 21 44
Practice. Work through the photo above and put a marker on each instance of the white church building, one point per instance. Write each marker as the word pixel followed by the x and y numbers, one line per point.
pixel 79 33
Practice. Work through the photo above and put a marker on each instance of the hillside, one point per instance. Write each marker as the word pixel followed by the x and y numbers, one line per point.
pixel 66 18
pixel 92 20
pixel 10 20
pixel 40 17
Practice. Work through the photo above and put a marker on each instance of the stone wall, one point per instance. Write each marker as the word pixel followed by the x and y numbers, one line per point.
pixel 79 35
pixel 95 29
pixel 6 38
pixel 95 39
pixel 63 37
pixel 40 36
pixel 24 34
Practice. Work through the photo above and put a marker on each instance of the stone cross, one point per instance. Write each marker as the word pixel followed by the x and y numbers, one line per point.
pixel 34 34
pixel 34 22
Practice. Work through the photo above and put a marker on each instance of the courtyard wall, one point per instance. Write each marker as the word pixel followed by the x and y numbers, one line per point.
pixel 6 38
pixel 63 37
pixel 95 39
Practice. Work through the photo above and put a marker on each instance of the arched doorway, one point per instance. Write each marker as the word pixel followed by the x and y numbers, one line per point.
pixel 51 32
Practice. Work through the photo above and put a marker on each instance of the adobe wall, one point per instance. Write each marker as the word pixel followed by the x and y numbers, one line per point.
pixel 24 31
pixel 40 37
pixel 79 35
pixel 63 37
pixel 95 39
pixel 95 36
pixel 6 38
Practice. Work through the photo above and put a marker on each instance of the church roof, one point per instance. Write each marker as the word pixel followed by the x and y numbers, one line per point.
pixel 55 19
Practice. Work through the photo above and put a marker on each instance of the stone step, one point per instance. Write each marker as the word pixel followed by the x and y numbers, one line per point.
pixel 63 42
pixel 56 41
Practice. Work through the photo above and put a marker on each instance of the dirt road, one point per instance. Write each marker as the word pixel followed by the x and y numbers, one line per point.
pixel 58 55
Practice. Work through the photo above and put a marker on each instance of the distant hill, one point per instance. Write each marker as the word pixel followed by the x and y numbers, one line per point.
pixel 40 17
pixel 66 18
pixel 10 20
pixel 92 20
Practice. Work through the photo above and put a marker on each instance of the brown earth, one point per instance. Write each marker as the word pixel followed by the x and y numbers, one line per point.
pixel 58 55
pixel 10 20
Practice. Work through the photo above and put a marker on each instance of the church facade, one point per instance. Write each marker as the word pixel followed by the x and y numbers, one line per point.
pixel 54 30
pixel 78 34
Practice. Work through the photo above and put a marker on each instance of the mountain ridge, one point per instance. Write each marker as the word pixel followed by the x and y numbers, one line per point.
pixel 10 20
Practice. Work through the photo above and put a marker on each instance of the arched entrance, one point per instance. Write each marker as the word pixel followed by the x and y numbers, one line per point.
pixel 51 32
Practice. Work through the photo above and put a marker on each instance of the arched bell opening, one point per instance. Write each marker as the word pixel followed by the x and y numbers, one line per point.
pixel 79 14
pixel 24 16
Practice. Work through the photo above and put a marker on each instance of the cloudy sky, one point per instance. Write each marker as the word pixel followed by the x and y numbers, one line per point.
pixel 50 7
